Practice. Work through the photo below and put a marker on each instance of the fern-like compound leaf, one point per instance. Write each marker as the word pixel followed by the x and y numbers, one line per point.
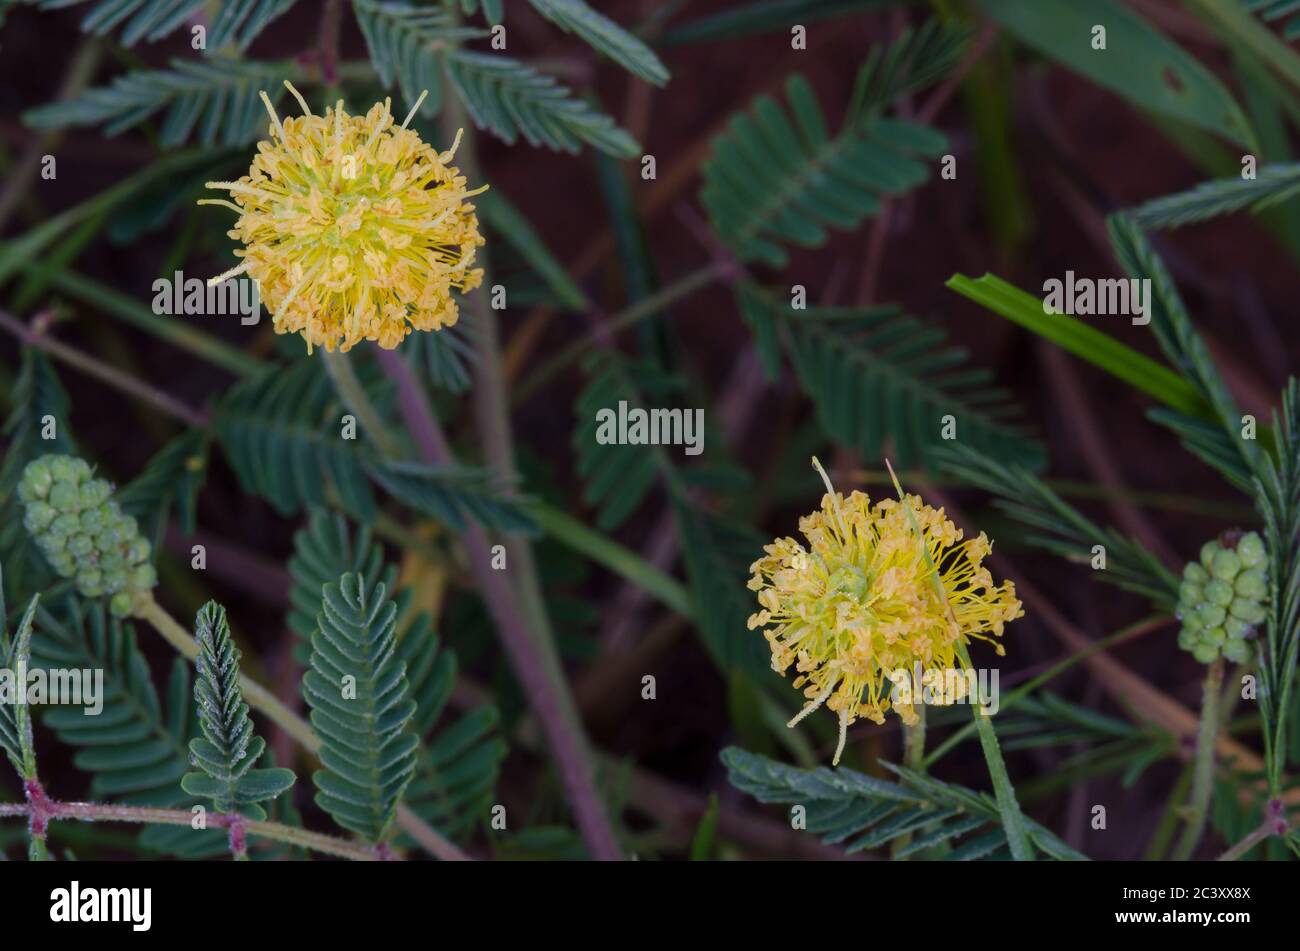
pixel 360 707
pixel 512 100
pixel 135 748
pixel 418 49
pixel 322 551
pixel 860 812
pixel 1059 527
pixel 1278 499
pixel 15 718
pixel 605 35
pixel 234 20
pixel 280 432
pixel 226 752
pixel 777 176
pixel 36 395
pixel 402 38
pixel 216 101
pixel 453 495
pixel 877 373
pixel 1272 185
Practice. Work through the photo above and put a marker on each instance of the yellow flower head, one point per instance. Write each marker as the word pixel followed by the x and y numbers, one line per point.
pixel 860 601
pixel 353 228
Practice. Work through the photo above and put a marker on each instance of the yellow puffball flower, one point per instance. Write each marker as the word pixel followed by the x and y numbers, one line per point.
pixel 353 228
pixel 860 602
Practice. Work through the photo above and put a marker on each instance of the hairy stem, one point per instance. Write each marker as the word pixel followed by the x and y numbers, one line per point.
pixel 101 371
pixel 913 758
pixel 914 742
pixel 547 691
pixel 523 618
pixel 107 812
pixel 106 300
pixel 1207 736
pixel 1275 823
pixel 354 398
pixel 259 698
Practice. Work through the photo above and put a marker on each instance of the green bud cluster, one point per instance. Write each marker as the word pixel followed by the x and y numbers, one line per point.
pixel 1221 599
pixel 83 533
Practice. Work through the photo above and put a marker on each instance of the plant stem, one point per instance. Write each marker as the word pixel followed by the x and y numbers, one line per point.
pixel 522 616
pixel 1163 836
pixel 1275 823
pixel 1013 822
pixel 128 384
pixel 1203 771
pixel 646 307
pixel 105 812
pixel 913 758
pixel 618 559
pixel 354 398
pixel 914 742
pixel 547 691
pixel 259 698
pixel 171 330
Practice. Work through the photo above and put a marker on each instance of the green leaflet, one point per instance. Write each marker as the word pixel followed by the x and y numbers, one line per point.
pixel 15 718
pixel 494 10
pixel 1059 527
pixel 37 394
pixel 1099 349
pixel 1272 185
pixel 1139 63
pixel 512 100
pixel 859 812
pixel 606 36
pixel 280 432
pixel 217 101
pixel 361 708
pixel 778 176
pixel 135 749
pixel 226 752
pixel 459 759
pixel 875 373
pixel 239 21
